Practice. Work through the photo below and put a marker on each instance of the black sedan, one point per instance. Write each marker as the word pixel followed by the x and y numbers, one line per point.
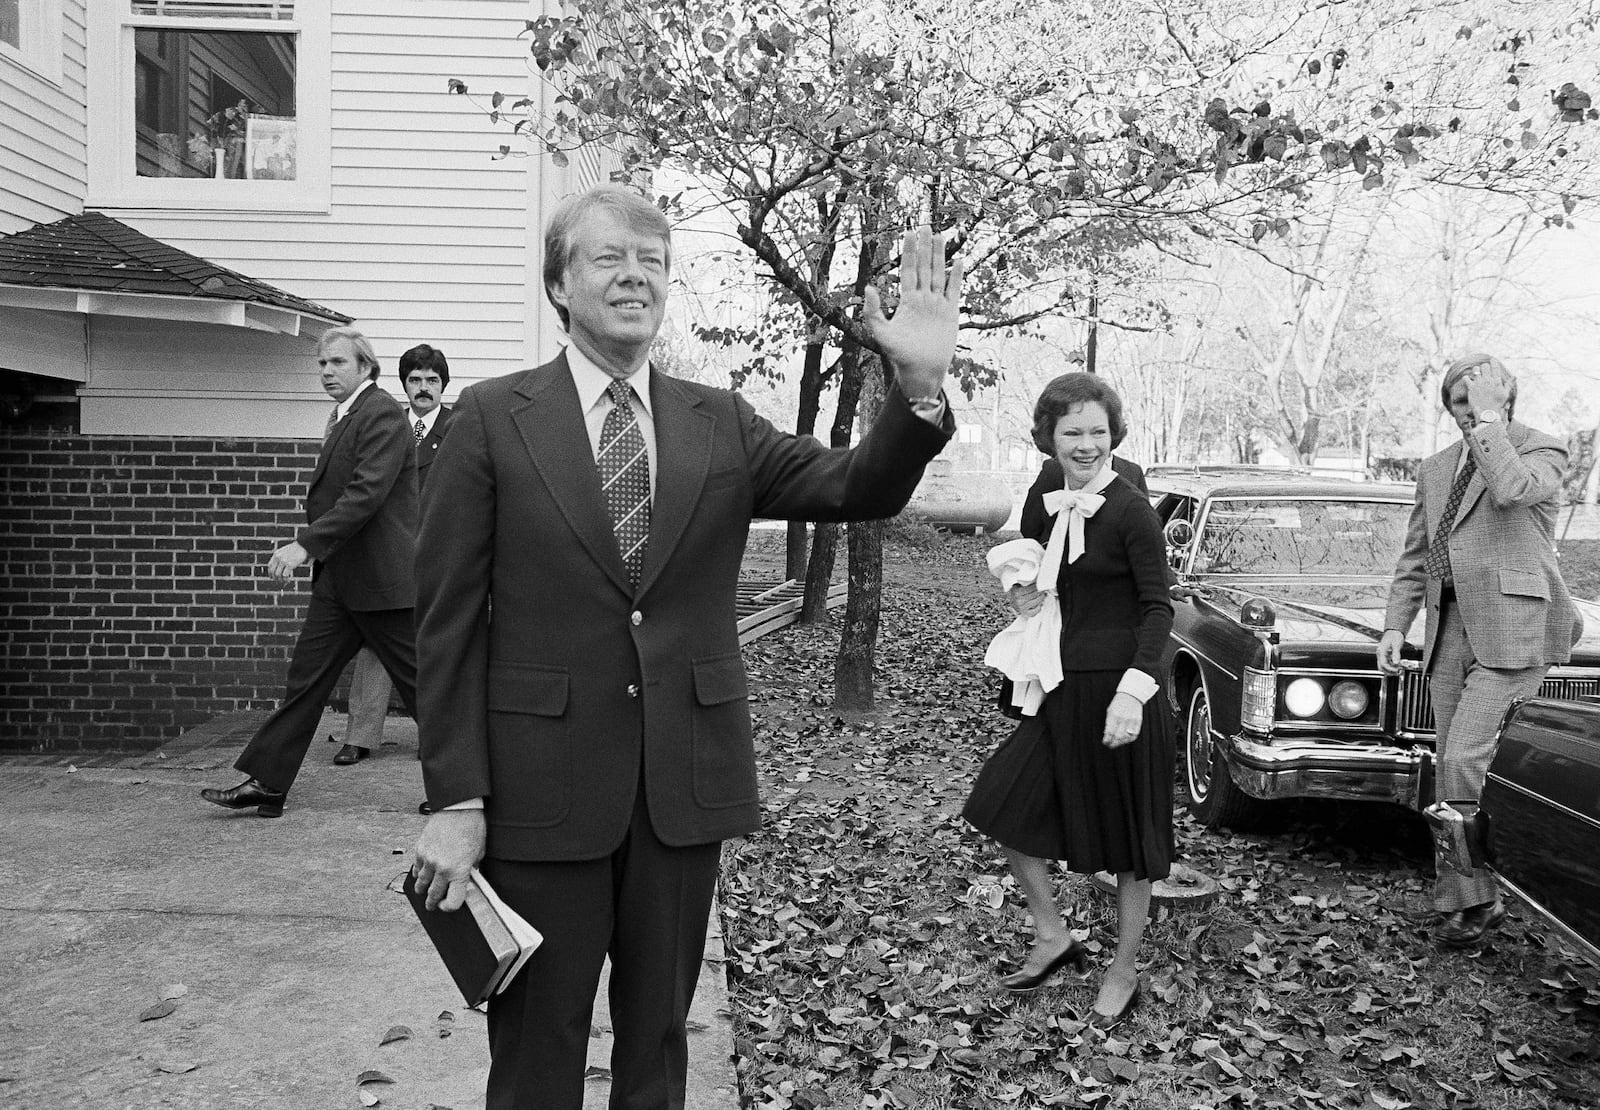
pixel 1280 584
pixel 1542 801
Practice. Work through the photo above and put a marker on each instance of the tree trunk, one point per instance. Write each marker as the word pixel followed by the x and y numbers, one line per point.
pixel 805 424
pixel 825 537
pixel 852 669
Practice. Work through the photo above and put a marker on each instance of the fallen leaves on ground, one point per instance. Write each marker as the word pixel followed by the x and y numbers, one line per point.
pixel 865 924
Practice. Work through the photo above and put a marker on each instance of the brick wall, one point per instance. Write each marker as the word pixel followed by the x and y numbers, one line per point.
pixel 133 599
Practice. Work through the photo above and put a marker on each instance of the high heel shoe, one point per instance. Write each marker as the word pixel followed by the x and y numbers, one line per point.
pixel 1107 1022
pixel 1074 955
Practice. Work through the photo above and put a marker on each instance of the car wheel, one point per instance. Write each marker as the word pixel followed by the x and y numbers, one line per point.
pixel 1213 797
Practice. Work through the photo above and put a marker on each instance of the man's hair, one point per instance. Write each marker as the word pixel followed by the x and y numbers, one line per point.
pixel 1064 394
pixel 1466 363
pixel 640 216
pixel 365 355
pixel 425 358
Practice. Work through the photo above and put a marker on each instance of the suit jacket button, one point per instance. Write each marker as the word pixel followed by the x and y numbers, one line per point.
pixel 633 690
pixel 637 618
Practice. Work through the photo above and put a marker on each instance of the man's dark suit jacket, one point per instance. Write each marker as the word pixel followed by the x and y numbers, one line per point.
pixel 428 449
pixel 361 507
pixel 550 701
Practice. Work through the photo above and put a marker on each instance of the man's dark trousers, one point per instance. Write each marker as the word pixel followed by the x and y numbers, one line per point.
pixel 542 1019
pixel 329 639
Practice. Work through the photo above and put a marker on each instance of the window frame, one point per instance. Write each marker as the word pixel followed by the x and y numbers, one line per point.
pixel 113 123
pixel 40 46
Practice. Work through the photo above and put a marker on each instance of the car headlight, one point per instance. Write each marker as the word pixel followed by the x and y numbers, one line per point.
pixel 1348 700
pixel 1304 697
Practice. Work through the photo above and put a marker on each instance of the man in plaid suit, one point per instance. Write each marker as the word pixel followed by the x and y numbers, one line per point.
pixel 1479 553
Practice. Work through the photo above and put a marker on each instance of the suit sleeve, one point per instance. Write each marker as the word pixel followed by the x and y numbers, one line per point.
pixel 1409 587
pixel 454 552
pixel 1147 562
pixel 797 478
pixel 1514 479
pixel 382 447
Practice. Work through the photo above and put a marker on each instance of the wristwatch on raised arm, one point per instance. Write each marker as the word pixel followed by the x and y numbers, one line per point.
pixel 1488 416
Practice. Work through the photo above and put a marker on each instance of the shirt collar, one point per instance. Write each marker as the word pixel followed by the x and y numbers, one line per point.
pixel 344 405
pixel 428 419
pixel 592 381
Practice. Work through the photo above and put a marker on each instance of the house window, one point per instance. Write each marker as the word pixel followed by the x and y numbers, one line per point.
pixel 30 34
pixel 211 104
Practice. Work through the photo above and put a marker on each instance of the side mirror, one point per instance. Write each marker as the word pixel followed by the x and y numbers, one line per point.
pixel 1179 534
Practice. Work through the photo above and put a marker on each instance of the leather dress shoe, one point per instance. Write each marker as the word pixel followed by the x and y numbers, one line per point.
pixel 1463 927
pixel 1075 955
pixel 1107 1022
pixel 268 803
pixel 351 753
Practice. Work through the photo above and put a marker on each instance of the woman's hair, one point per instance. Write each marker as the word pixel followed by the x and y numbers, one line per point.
pixel 1065 393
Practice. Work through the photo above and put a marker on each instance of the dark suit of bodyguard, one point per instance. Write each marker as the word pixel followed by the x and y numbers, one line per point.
pixel 600 712
pixel 360 530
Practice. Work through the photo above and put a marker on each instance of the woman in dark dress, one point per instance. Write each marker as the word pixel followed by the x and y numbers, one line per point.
pixel 1088 780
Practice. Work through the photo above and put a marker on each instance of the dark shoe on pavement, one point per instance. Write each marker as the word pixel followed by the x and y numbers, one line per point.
pixel 1074 955
pixel 268 803
pixel 425 809
pixel 351 753
pixel 1107 1022
pixel 1464 927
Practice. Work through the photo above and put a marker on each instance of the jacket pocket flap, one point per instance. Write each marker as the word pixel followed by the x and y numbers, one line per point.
pixel 719 679
pixel 525 689
pixel 1524 583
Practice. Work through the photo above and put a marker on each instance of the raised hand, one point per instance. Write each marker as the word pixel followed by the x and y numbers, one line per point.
pixel 920 339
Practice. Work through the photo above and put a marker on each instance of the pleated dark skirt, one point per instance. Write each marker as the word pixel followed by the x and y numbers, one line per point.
pixel 1053 790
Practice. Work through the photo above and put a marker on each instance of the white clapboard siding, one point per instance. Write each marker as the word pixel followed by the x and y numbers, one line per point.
pixel 42 134
pixel 426 237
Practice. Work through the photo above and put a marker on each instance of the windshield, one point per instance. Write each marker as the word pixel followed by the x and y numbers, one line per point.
pixel 1299 537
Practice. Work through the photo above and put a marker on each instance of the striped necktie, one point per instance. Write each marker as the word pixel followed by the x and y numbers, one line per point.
pixel 333 422
pixel 625 478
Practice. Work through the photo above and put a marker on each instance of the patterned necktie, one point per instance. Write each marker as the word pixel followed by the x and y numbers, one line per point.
pixel 333 422
pixel 1438 559
pixel 419 430
pixel 625 477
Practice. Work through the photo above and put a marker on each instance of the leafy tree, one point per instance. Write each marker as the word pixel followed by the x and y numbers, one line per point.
pixel 1047 140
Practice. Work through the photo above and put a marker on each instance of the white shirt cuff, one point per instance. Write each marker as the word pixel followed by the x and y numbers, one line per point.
pixel 470 803
pixel 1138 684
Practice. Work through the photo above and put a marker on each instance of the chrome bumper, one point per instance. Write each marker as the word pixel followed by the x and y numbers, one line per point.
pixel 1311 768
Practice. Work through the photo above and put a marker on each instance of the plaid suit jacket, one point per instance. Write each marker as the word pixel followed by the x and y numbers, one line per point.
pixel 1513 601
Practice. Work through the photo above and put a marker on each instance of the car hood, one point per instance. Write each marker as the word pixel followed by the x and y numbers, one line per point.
pixel 1350 610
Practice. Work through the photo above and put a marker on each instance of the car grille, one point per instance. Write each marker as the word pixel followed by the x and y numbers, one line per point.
pixel 1416 705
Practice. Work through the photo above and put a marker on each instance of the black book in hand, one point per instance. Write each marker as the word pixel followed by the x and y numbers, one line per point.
pixel 483 944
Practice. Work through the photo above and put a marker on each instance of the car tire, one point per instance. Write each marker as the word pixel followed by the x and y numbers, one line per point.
pixel 1212 796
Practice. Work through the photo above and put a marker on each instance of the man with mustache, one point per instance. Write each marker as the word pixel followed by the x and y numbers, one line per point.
pixel 425 374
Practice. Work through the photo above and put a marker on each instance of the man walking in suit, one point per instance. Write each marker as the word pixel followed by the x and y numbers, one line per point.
pixel 1479 554
pixel 361 526
pixel 424 374
pixel 585 723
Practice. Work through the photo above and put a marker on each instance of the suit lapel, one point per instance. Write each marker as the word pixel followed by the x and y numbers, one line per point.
pixel 683 457
pixel 338 433
pixel 551 423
